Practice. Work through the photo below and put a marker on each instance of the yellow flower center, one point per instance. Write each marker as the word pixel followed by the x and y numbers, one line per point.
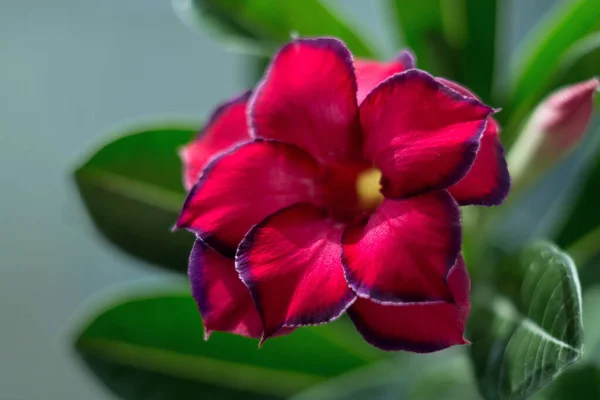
pixel 368 188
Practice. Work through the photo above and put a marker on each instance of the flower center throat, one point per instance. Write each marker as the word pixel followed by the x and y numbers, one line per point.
pixel 368 189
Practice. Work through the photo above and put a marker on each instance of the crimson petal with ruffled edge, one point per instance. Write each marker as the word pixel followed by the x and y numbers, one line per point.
pixel 421 134
pixel 223 299
pixel 417 327
pixel 241 187
pixel 370 73
pixel 308 98
pixel 405 250
pixel 226 127
pixel 488 181
pixel 291 263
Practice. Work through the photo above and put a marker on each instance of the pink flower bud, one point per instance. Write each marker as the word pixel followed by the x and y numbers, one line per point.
pixel 554 128
pixel 566 113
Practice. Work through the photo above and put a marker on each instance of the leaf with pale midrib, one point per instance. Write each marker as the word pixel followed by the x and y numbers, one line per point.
pixel 132 190
pixel 518 348
pixel 153 344
pixel 585 377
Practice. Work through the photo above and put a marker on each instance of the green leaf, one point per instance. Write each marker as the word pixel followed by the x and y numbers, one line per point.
pixel 442 375
pixel 580 382
pixel 153 344
pixel 584 379
pixel 591 321
pixel 234 33
pixel 451 380
pixel 132 190
pixel 264 25
pixel 520 347
pixel 538 61
pixel 420 28
pixel 581 61
pixel 478 50
pixel 454 39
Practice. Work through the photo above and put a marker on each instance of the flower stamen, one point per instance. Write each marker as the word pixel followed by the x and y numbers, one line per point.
pixel 368 188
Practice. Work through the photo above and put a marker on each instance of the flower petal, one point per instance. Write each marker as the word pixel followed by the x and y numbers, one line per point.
pixel 370 73
pixel 291 263
pixel 223 299
pixel 308 98
pixel 488 181
pixel 456 87
pixel 421 134
pixel 241 187
pixel 405 250
pixel 226 127
pixel 417 327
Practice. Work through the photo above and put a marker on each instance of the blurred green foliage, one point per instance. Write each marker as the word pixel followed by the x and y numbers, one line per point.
pixel 451 39
pixel 152 344
pixel 132 189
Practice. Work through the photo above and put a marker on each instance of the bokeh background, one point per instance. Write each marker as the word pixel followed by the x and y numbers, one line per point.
pixel 73 72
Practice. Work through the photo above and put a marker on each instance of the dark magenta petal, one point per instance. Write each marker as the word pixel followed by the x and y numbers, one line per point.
pixel 417 327
pixel 241 187
pixel 226 127
pixel 223 299
pixel 488 181
pixel 405 250
pixel 459 283
pixel 370 73
pixel 291 263
pixel 308 98
pixel 422 135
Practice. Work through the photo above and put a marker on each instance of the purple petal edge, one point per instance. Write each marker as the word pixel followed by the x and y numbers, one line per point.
pixel 331 43
pixel 196 278
pixel 499 194
pixel 208 238
pixel 389 344
pixel 471 146
pixel 242 266
pixel 376 296
pixel 407 58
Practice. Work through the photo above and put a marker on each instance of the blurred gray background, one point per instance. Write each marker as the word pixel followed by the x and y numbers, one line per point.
pixel 73 72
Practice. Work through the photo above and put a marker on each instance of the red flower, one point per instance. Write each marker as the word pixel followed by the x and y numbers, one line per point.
pixel 307 243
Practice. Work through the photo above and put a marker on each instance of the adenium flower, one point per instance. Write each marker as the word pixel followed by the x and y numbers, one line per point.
pixel 288 233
